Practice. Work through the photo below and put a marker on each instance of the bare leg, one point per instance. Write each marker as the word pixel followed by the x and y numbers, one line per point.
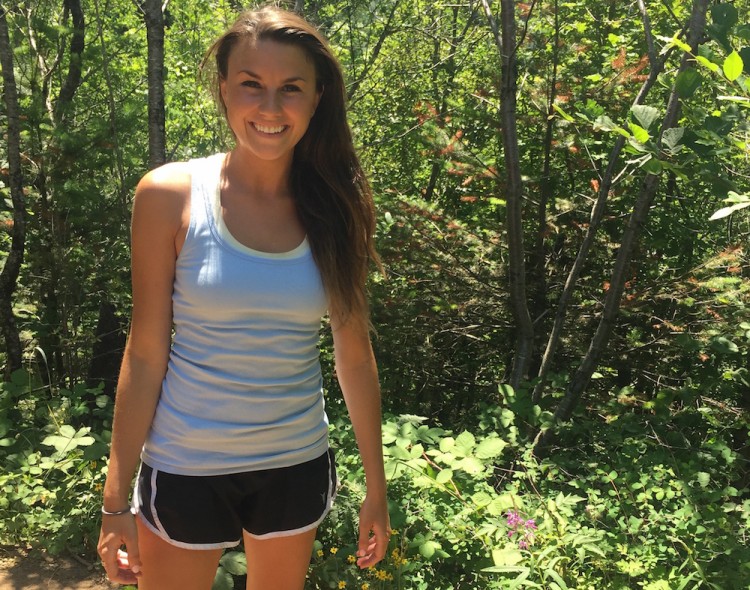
pixel 166 567
pixel 280 563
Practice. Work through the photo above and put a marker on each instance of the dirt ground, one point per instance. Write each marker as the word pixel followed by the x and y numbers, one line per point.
pixel 34 570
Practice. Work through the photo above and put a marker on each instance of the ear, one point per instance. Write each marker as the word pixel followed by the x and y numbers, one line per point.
pixel 223 89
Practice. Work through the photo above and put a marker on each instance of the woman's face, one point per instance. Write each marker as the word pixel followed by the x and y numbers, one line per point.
pixel 270 93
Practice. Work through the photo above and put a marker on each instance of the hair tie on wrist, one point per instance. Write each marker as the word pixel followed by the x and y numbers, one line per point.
pixel 117 513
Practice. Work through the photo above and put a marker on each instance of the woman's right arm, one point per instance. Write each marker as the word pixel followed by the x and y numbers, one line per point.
pixel 160 218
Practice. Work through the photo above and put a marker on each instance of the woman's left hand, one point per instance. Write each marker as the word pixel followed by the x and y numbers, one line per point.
pixel 374 531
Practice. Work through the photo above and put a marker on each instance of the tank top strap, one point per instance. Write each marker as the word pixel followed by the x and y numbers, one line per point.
pixel 206 175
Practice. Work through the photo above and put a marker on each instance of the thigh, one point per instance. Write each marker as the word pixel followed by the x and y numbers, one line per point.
pixel 278 563
pixel 167 567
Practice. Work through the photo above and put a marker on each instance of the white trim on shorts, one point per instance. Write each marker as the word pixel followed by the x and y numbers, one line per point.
pixel 332 488
pixel 159 529
pixel 161 532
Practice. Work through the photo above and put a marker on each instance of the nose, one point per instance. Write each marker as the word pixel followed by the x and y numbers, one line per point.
pixel 270 102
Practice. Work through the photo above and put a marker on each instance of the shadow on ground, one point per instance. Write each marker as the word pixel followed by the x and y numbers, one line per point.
pixel 35 570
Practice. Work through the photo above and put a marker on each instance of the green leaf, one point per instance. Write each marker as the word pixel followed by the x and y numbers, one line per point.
pixel 428 549
pixel 605 123
pixel 645 115
pixel 703 478
pixel 652 166
pixel 503 503
pixel 550 573
pixel 222 580
pixel 490 447
pixel 733 66
pixel 506 556
pixel 67 430
pixel 444 476
pixel 724 15
pixel 727 211
pixel 95 451
pixel 723 345
pixel 235 563
pixel 705 62
pixel 465 442
pixel 470 465
pixel 563 114
pixel 398 453
pixel 672 136
pixel 688 81
pixel 447 444
pixel 639 133
pixel 745 55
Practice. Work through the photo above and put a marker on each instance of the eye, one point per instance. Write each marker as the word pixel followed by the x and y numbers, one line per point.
pixel 251 83
pixel 291 88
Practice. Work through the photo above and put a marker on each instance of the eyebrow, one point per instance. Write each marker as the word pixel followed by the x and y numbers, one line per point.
pixel 287 81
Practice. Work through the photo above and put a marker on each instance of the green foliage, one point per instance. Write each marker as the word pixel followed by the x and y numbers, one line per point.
pixel 477 510
pixel 647 489
pixel 53 472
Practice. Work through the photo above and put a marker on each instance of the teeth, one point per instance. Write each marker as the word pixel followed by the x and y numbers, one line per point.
pixel 264 129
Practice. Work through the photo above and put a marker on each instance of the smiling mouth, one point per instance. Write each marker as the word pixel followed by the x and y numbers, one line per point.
pixel 269 130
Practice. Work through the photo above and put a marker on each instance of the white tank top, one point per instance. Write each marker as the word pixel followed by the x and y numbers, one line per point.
pixel 243 389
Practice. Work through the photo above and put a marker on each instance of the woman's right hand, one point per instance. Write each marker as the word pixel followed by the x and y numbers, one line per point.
pixel 122 567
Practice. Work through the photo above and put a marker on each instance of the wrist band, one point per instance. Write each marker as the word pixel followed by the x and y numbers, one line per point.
pixel 117 513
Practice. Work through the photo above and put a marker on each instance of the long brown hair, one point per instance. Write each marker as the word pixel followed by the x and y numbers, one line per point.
pixel 333 197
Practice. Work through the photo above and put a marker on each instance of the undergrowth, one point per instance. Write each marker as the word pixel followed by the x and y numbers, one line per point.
pixel 653 497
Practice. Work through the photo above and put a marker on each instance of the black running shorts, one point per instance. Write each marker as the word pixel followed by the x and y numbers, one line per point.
pixel 209 512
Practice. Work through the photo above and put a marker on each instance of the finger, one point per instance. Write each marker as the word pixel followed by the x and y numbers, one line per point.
pixel 107 550
pixel 133 555
pixel 372 553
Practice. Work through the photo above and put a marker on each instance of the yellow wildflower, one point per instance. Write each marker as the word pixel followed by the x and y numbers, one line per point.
pixel 319 553
pixel 366 586
pixel 342 584
pixel 334 551
pixel 351 559
pixel 381 575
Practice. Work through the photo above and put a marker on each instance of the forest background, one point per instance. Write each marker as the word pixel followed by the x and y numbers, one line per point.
pixel 562 333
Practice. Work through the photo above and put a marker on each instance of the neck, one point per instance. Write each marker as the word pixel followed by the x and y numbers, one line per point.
pixel 258 177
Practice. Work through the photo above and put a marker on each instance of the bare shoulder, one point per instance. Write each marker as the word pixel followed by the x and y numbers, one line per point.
pixel 170 181
pixel 164 193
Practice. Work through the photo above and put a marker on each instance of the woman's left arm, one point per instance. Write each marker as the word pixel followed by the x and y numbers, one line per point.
pixel 358 377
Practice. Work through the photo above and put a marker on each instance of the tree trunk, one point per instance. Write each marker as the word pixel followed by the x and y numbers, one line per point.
pixel 108 349
pixel 154 17
pixel 73 77
pixel 12 266
pixel 597 214
pixel 629 239
pixel 506 44
pixel 538 290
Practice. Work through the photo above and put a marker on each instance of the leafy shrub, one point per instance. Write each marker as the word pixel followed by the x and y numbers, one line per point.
pixel 53 471
pixel 649 498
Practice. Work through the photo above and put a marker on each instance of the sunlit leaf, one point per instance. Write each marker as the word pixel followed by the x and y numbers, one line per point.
pixel 506 556
pixel 733 66
pixel 639 133
pixel 222 580
pixel 727 211
pixel 444 476
pixel 705 62
pixel 235 563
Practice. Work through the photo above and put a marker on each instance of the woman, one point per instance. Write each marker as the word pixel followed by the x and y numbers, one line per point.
pixel 243 253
